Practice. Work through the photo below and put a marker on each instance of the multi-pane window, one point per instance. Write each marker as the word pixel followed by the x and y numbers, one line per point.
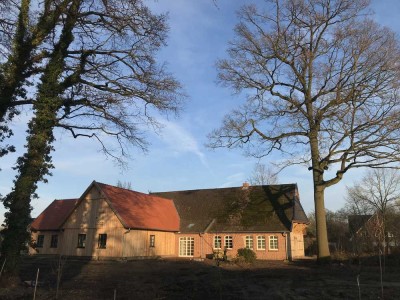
pixel 273 242
pixel 249 242
pixel 81 240
pixel 102 243
pixel 54 241
pixel 228 242
pixel 260 242
pixel 40 241
pixel 186 246
pixel 152 240
pixel 217 242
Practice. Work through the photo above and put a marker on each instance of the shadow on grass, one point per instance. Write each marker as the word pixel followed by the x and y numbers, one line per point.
pixel 188 279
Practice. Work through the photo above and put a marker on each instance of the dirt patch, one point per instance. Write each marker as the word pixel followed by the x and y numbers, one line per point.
pixel 188 279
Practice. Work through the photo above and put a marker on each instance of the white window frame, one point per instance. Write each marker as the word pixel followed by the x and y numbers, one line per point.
pixel 217 242
pixel 273 243
pixel 186 246
pixel 248 241
pixel 228 239
pixel 261 242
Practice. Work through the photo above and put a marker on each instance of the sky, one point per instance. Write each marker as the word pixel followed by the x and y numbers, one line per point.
pixel 178 158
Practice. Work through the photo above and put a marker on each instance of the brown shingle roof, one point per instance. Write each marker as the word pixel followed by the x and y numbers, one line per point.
pixel 141 211
pixel 54 215
pixel 255 209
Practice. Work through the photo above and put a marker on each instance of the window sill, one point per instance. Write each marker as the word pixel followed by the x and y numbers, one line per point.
pixel 274 250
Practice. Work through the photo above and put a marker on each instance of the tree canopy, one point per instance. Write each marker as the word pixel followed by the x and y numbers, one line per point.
pixel 321 81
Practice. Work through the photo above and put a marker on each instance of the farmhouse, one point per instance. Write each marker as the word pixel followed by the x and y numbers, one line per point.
pixel 108 221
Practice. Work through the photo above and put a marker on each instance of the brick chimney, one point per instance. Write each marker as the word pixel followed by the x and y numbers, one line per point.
pixel 245 185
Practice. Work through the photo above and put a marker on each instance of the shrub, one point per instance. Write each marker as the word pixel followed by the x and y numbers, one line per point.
pixel 247 255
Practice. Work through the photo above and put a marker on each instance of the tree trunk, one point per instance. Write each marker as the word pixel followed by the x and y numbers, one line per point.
pixel 16 232
pixel 319 201
pixel 320 218
pixel 36 162
pixel 33 166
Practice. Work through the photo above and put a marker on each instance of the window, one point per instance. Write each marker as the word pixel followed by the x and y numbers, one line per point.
pixel 152 240
pixel 40 241
pixel 249 242
pixel 81 240
pixel 186 246
pixel 102 241
pixel 54 241
pixel 273 242
pixel 217 242
pixel 228 242
pixel 261 242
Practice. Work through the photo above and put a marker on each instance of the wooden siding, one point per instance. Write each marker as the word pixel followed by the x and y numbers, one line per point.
pixel 46 249
pixel 297 240
pixel 92 217
pixel 137 243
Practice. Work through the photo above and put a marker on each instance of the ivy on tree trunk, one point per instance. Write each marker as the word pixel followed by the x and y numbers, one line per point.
pixel 36 163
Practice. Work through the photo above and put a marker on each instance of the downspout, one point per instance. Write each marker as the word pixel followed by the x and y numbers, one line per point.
pixel 201 244
pixel 290 241
pixel 287 244
pixel 286 248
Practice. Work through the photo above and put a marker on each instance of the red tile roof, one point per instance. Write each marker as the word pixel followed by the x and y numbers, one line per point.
pixel 141 211
pixel 54 215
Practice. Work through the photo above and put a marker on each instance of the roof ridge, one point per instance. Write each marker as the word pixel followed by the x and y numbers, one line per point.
pixel 121 188
pixel 133 191
pixel 225 188
pixel 68 199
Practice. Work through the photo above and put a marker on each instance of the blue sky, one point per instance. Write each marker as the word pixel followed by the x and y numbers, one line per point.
pixel 177 158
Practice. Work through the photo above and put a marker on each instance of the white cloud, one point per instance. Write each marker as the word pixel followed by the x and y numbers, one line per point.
pixel 233 180
pixel 179 140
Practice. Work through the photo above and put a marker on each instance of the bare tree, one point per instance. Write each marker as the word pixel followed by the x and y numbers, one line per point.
pixel 91 69
pixel 322 88
pixel 111 83
pixel 377 192
pixel 124 184
pixel 263 175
